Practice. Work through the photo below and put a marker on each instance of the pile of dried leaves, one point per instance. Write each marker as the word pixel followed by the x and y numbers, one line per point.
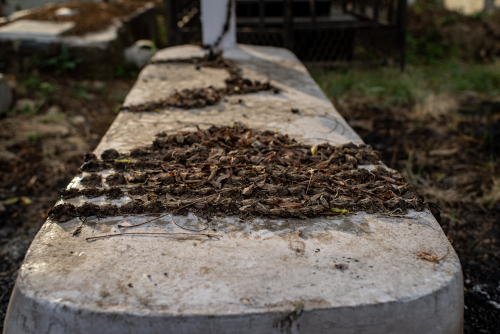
pixel 239 171
pixel 202 97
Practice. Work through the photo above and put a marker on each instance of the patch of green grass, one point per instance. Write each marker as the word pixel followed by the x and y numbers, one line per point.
pixel 429 49
pixel 125 71
pixel 386 85
pixel 61 63
pixel 119 96
pixel 101 88
pixel 389 87
pixel 433 37
pixel 28 109
pixel 47 88
pixel 117 107
pixel 80 92
pixel 32 82
pixel 8 112
pixel 162 30
pixel 41 89
pixel 34 137
pixel 476 77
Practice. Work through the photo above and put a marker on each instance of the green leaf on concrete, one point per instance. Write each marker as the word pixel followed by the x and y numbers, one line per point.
pixel 340 211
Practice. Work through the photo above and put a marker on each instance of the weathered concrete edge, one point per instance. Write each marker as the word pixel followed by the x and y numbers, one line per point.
pixel 438 312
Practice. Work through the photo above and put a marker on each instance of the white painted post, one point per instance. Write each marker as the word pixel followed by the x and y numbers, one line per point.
pixel 214 15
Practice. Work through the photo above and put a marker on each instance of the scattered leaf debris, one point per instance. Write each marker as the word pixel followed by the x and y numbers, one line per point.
pixel 235 170
pixel 236 84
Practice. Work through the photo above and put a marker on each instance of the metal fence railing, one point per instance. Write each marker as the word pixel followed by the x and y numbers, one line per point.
pixel 318 31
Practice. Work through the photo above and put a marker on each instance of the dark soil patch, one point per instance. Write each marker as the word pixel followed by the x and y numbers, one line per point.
pixel 88 210
pixel 137 191
pixel 39 169
pixel 92 180
pixel 91 192
pixel 63 212
pixel 109 210
pixel 138 179
pixel 89 156
pixel 110 154
pixel 454 161
pixel 154 206
pixel 113 193
pixel 90 17
pixel 93 166
pixel 138 152
pixel 115 179
pixel 70 193
pixel 132 208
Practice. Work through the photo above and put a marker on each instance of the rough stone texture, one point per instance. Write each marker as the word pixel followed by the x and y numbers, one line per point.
pixel 5 93
pixel 98 52
pixel 350 274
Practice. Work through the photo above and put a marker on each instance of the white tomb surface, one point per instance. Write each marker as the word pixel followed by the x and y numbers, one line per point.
pixel 37 30
pixel 261 276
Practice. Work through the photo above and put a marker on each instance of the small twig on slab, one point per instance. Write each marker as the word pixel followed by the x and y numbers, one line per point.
pixel 312 175
pixel 397 216
pixel 188 229
pixel 431 257
pixel 390 180
pixel 152 233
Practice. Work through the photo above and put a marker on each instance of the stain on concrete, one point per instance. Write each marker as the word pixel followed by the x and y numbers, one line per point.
pixel 204 270
pixel 297 246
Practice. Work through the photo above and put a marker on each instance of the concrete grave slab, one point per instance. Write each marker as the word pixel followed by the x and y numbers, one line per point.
pixel 314 119
pixel 98 52
pixel 352 274
pixel 36 30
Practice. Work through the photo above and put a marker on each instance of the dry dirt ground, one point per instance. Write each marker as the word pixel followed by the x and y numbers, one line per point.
pixel 449 148
pixel 42 141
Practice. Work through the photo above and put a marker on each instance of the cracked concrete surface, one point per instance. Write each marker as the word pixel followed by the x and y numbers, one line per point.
pixel 351 274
